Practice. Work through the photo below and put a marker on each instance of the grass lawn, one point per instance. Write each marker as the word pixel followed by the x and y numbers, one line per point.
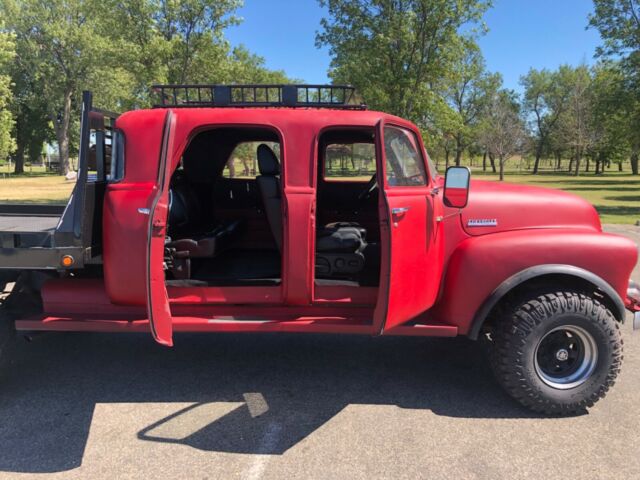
pixel 35 188
pixel 615 195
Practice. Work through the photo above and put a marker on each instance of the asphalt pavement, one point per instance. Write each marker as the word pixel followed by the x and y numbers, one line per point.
pixel 280 406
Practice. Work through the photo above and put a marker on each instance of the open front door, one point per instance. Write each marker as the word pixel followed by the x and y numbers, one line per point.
pixel 157 298
pixel 411 236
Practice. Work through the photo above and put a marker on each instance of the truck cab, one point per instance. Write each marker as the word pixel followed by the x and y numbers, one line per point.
pixel 293 208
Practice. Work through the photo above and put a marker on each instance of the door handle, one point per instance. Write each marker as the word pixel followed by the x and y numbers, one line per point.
pixel 399 210
pixel 144 211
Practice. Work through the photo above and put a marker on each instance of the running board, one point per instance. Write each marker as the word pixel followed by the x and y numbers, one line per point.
pixel 231 324
pixel 198 324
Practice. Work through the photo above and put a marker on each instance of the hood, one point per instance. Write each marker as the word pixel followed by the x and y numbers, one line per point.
pixel 498 207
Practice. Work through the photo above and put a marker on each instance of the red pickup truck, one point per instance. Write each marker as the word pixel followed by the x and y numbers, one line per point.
pixel 293 208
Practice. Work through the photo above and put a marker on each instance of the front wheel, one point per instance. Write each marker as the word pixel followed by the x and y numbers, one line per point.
pixel 557 353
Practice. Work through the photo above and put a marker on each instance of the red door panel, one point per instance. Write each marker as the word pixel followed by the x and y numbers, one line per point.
pixel 411 234
pixel 157 298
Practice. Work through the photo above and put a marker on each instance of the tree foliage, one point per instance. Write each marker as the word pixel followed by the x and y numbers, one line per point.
pixel 117 49
pixel 546 95
pixel 7 54
pixel 618 22
pixel 502 131
pixel 396 51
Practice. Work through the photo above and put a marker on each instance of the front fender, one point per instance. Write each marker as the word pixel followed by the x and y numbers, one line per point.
pixel 480 266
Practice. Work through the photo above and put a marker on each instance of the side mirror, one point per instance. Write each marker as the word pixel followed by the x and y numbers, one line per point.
pixel 456 187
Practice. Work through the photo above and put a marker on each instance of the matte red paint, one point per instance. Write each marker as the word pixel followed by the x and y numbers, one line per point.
pixel 436 270
pixel 335 324
pixel 480 264
pixel 523 206
pixel 410 246
pixel 158 309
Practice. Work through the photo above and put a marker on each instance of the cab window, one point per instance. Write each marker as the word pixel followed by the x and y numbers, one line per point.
pixel 404 163
pixel 349 161
pixel 243 161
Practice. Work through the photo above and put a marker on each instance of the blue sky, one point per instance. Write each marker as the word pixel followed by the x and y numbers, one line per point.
pixel 522 34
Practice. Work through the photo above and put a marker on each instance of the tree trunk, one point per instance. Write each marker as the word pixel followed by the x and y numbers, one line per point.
pixel 536 164
pixel 19 159
pixel 446 159
pixel 61 127
pixel 634 162
pixel 576 172
pixel 484 161
pixel 587 166
pixel 501 160
pixel 492 159
pixel 559 160
pixel 458 156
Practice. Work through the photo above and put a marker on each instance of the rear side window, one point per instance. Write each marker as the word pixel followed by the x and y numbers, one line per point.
pixel 243 161
pixel 115 162
pixel 351 162
pixel 404 163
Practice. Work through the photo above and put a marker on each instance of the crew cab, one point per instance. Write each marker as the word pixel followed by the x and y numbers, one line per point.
pixel 293 208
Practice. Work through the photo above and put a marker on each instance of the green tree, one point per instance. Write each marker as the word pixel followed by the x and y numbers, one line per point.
pixel 464 93
pixel 395 51
pixel 183 42
pixel 576 122
pixel 618 22
pixel 66 44
pixel 117 49
pixel 612 130
pixel 7 54
pixel 32 125
pixel 502 131
pixel 546 95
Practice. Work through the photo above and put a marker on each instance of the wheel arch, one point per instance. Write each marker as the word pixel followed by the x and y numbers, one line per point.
pixel 553 274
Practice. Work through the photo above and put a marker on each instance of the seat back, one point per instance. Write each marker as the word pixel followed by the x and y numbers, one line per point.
pixel 184 208
pixel 270 191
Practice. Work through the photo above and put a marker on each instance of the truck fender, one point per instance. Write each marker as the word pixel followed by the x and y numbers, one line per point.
pixel 538 271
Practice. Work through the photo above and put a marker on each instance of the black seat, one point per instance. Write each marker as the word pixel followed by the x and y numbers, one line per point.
pixel 269 187
pixel 340 249
pixel 339 246
pixel 340 237
pixel 190 235
pixel 184 208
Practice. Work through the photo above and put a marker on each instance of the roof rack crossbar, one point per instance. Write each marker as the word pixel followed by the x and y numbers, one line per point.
pixel 257 95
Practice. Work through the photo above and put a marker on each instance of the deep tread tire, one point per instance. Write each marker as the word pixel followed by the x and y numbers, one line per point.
pixel 518 332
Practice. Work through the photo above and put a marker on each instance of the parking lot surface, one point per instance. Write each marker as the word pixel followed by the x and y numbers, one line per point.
pixel 296 406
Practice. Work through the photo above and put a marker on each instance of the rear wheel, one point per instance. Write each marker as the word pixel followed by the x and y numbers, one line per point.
pixel 557 353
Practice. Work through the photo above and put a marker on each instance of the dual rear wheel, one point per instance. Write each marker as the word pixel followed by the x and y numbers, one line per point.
pixel 557 353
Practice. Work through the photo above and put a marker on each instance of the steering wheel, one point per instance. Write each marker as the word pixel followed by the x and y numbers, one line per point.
pixel 372 184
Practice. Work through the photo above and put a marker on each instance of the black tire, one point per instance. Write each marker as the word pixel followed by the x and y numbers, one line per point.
pixel 543 352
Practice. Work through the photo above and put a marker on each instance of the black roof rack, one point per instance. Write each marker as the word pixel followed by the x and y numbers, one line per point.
pixel 318 96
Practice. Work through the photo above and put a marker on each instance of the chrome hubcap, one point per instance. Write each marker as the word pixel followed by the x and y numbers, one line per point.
pixel 566 357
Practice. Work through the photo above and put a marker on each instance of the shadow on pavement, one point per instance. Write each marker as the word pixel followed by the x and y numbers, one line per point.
pixel 285 387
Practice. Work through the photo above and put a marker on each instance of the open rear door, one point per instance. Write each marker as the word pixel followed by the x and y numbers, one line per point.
pixel 157 298
pixel 411 236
